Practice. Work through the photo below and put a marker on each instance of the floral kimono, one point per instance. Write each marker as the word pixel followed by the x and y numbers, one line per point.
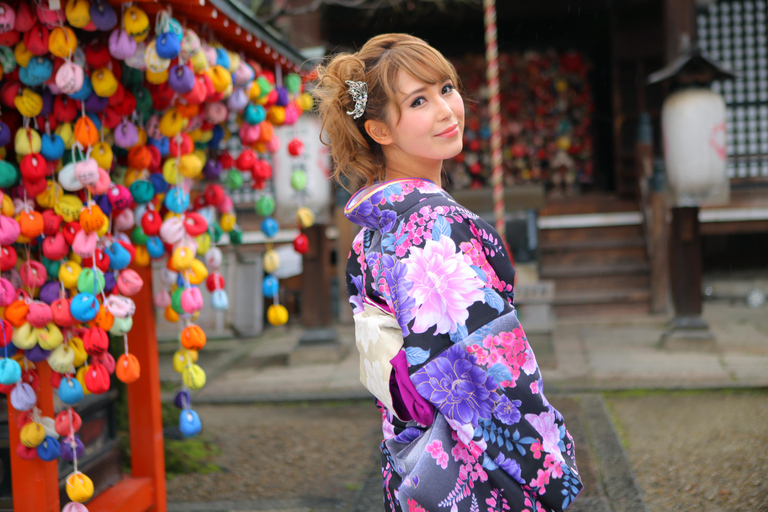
pixel 466 423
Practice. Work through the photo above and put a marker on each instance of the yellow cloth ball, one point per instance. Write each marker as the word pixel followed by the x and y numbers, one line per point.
pixel 8 208
pixel 24 337
pixel 80 376
pixel 52 194
pixel 102 153
pixel 197 272
pixel 78 347
pixel 305 217
pixel 203 243
pixel 32 434
pixel 27 141
pixel 182 258
pixel 69 207
pixel 193 377
pixel 305 101
pixel 271 261
pixel 49 337
pixel 227 222
pixel 183 358
pixel 69 272
pixel 190 166
pixel 79 488
pixel 277 314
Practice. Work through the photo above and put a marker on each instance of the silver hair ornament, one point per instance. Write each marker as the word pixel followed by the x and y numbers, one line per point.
pixel 359 92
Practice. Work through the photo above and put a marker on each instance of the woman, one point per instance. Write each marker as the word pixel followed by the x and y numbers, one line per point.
pixel 466 424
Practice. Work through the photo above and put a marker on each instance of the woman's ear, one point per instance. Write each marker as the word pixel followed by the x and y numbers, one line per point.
pixel 379 131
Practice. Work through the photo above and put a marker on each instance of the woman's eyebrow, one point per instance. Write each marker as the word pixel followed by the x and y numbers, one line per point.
pixel 420 89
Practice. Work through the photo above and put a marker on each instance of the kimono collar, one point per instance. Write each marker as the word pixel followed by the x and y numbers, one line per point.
pixel 378 206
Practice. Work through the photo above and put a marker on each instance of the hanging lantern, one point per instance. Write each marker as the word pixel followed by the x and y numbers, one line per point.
pixel 694 129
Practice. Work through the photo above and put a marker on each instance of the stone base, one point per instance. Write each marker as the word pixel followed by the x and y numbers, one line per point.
pixel 318 346
pixel 689 334
pixel 538 322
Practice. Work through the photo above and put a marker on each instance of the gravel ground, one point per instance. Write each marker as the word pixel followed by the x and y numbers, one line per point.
pixel 279 452
pixel 697 452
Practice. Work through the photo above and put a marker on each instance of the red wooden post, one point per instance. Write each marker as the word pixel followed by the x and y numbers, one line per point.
pixel 144 416
pixel 35 482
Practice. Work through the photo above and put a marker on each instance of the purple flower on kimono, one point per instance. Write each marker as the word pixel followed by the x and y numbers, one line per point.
pixel 387 220
pixel 460 389
pixel 367 213
pixel 511 467
pixel 507 410
pixel 357 300
pixel 402 302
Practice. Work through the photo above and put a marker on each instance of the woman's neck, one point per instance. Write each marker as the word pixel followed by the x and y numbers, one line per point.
pixel 413 167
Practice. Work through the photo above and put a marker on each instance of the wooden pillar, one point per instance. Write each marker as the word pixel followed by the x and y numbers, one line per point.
pixel 35 483
pixel 659 236
pixel 347 234
pixel 316 280
pixel 679 24
pixel 145 489
pixel 685 261
pixel 144 407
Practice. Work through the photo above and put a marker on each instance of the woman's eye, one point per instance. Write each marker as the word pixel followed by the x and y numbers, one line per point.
pixel 448 88
pixel 418 102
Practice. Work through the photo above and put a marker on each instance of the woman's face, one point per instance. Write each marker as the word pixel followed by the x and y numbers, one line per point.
pixel 431 121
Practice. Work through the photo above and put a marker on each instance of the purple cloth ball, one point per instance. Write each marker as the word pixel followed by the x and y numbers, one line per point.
pixel 182 399
pixel 109 282
pixel 67 452
pixel 37 354
pixel 212 169
pixel 50 292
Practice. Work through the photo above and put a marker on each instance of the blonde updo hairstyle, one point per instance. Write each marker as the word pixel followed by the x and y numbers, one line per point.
pixel 358 159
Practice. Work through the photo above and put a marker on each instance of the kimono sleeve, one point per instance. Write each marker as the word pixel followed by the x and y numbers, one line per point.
pixel 469 357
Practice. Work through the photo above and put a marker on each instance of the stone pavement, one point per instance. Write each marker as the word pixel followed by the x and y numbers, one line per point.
pixel 588 356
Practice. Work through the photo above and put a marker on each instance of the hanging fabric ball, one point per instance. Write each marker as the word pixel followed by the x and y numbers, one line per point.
pixel 265 205
pixel 301 243
pixel 270 286
pixel 299 180
pixel 296 147
pixel 189 423
pixel 270 227
pixel 277 314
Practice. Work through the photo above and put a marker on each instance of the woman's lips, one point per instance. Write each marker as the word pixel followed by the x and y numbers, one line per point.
pixel 449 132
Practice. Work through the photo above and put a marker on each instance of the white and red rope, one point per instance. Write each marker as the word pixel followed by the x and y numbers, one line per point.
pixel 492 76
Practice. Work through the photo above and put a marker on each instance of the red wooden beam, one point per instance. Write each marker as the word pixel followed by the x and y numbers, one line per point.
pixel 128 495
pixel 144 408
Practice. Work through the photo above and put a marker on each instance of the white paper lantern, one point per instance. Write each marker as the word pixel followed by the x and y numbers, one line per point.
pixel 693 125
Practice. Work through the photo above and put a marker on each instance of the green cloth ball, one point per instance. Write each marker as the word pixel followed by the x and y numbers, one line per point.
pixel 143 100
pixel 292 82
pixel 9 174
pixel 236 236
pixel 138 237
pixel 142 191
pixel 52 267
pixel 234 179
pixel 131 77
pixel 265 205
pixel 176 301
pixel 264 85
pixel 217 232
pixel 299 180
pixel 90 281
